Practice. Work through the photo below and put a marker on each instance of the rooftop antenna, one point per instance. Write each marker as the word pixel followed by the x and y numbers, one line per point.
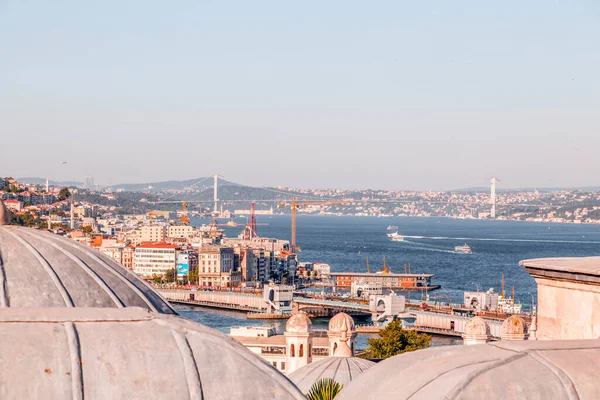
pixel 368 266
pixel 502 285
pixel 513 293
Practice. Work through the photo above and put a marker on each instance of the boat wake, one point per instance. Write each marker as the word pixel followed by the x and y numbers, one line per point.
pixel 427 247
pixel 502 239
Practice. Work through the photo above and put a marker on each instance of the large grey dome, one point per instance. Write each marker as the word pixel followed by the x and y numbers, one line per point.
pixel 40 269
pixel 501 370
pixel 128 353
pixel 341 369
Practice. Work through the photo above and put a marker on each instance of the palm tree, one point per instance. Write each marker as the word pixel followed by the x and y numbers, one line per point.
pixel 324 389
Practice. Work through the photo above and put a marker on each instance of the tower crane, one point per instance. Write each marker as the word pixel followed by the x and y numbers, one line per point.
pixel 184 218
pixel 294 205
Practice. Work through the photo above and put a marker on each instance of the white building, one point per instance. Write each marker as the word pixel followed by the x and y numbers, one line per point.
pixel 322 269
pixel 481 301
pixel 300 345
pixel 154 258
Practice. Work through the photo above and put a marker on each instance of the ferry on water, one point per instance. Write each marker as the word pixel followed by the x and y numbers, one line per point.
pixel 463 249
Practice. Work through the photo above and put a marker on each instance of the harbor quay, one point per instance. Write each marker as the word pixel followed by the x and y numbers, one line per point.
pixel 278 302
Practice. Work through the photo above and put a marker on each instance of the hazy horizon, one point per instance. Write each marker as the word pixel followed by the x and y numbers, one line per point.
pixel 393 95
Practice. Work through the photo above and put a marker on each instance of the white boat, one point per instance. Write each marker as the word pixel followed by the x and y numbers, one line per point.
pixel 466 249
pixel 396 237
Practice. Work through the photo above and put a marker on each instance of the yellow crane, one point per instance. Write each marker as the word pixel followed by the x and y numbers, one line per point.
pixel 294 205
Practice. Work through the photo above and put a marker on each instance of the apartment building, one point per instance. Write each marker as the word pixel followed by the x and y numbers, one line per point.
pixel 153 233
pixel 14 205
pixel 246 262
pixel 154 258
pixel 180 231
pixel 216 267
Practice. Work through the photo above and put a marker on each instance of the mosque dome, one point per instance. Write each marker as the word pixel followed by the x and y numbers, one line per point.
pixel 337 323
pixel 508 370
pixel 341 369
pixel 299 323
pixel 41 269
pixel 110 353
pixel 76 324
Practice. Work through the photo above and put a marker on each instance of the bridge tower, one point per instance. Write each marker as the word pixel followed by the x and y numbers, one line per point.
pixel 216 193
pixel 493 181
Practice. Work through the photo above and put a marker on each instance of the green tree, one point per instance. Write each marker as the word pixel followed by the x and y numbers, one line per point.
pixel 193 276
pixel 157 279
pixel 87 229
pixel 324 389
pixel 171 275
pixel 64 194
pixel 395 340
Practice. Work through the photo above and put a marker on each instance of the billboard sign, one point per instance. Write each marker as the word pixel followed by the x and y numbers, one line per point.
pixel 183 264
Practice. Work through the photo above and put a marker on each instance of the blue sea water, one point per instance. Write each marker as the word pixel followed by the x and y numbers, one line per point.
pixel 498 246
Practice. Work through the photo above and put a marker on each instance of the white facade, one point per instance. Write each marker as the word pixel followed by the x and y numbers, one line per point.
pixel 481 301
pixel 154 259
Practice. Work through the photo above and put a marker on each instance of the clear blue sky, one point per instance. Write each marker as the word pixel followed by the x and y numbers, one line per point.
pixel 354 94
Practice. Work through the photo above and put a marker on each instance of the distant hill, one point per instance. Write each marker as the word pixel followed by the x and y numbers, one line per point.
pixel 171 185
pixel 42 181
pixel 527 189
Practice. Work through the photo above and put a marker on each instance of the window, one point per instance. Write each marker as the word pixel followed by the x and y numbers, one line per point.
pixel 283 365
pixel 301 352
pixel 292 351
pixel 275 364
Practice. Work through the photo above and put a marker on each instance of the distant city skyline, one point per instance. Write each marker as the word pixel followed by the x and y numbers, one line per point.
pixel 399 96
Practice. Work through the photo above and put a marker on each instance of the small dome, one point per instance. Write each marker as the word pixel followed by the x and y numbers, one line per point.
pixel 41 269
pixel 340 369
pixel 513 325
pixel 337 323
pixel 545 369
pixel 477 326
pixel 299 323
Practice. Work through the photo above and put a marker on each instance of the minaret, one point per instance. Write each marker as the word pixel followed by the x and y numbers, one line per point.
pixel 298 339
pixel 533 326
pixel 72 214
pixel 340 326
pixel 343 350
pixel 47 186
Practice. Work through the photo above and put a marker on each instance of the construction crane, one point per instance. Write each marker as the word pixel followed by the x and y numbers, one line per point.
pixel 184 218
pixel 294 205
pixel 151 215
